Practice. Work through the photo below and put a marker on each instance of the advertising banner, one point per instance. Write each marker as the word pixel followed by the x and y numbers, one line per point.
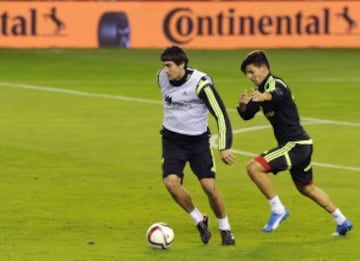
pixel 191 24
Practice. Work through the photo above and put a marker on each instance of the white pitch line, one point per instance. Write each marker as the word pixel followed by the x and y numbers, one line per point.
pixel 131 99
pixel 255 128
pixel 319 164
pixel 318 121
pixel 134 99
pixel 340 123
pixel 263 127
pixel 78 93
pixel 251 154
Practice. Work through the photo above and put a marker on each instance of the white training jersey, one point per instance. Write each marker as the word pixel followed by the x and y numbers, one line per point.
pixel 184 111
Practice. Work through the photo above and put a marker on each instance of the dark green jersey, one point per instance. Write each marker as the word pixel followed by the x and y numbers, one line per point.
pixel 281 111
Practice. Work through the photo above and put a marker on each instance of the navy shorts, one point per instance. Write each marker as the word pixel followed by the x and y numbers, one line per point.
pixel 293 156
pixel 176 154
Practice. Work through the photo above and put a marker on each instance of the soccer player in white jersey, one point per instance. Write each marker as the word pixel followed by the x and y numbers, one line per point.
pixel 188 96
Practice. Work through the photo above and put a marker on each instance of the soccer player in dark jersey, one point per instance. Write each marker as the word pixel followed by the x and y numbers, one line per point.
pixel 188 97
pixel 294 149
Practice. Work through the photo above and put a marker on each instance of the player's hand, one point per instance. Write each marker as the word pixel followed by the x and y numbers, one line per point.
pixel 260 97
pixel 227 157
pixel 244 97
pixel 243 100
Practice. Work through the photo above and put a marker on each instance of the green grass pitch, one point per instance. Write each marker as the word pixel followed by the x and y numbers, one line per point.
pixel 80 175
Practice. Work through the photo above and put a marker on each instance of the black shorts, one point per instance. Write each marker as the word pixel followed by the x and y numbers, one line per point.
pixel 175 154
pixel 294 156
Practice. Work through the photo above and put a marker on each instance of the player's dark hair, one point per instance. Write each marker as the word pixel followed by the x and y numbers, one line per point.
pixel 175 54
pixel 257 58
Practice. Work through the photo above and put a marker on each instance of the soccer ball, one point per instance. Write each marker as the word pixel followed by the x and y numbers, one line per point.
pixel 160 235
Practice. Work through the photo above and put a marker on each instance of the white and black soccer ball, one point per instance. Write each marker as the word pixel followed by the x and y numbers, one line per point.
pixel 160 235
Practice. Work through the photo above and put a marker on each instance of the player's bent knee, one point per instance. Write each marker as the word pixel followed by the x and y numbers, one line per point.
pixel 251 167
pixel 209 186
pixel 306 190
pixel 171 182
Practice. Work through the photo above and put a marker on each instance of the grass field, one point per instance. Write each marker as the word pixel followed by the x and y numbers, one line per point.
pixel 80 175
